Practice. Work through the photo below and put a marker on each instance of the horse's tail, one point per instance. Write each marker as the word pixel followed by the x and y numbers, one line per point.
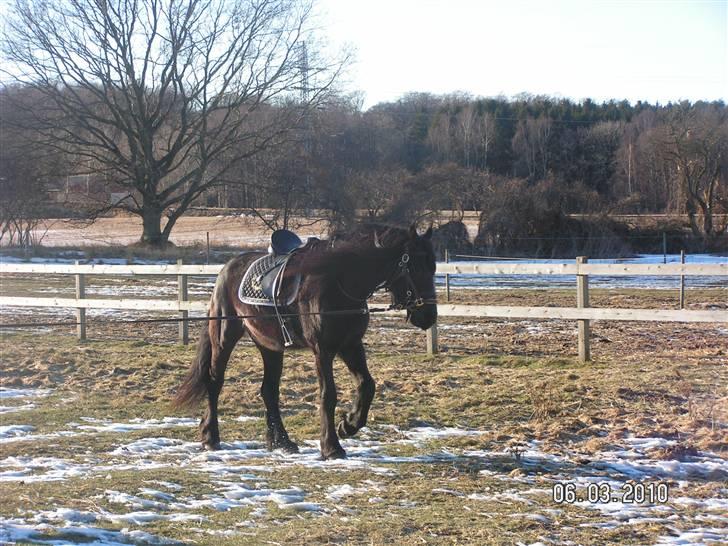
pixel 194 387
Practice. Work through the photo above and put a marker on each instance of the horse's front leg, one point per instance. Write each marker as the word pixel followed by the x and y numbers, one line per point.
pixel 356 360
pixel 330 446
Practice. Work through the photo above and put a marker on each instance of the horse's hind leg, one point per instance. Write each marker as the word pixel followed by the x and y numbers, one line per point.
pixel 276 435
pixel 355 359
pixel 223 340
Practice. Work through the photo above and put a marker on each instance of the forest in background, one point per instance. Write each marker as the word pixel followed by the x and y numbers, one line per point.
pixel 524 164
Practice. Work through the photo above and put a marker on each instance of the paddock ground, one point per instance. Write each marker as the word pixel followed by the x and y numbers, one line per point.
pixel 464 447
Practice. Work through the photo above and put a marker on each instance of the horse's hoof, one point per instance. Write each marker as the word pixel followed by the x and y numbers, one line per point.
pixel 335 454
pixel 286 446
pixel 345 430
pixel 213 446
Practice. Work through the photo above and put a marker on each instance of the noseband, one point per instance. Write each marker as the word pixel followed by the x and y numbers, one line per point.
pixel 414 299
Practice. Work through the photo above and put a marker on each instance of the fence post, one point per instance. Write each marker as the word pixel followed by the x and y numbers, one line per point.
pixel 432 340
pixel 80 311
pixel 582 301
pixel 183 327
pixel 664 247
pixel 682 282
pixel 447 277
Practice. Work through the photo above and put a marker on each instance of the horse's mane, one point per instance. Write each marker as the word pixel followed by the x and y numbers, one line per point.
pixel 330 257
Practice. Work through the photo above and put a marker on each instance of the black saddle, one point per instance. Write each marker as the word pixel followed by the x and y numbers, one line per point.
pixel 284 242
pixel 263 282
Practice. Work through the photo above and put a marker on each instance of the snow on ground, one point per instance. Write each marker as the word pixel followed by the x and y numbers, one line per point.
pixel 509 282
pixel 105 425
pixel 76 257
pixel 23 393
pixel 339 492
pixel 12 409
pixel 241 469
pixel 700 535
pixel 40 469
pixel 21 433
pixel 11 431
pixel 239 475
pixel 18 530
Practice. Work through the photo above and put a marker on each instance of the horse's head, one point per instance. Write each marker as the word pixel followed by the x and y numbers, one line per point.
pixel 413 282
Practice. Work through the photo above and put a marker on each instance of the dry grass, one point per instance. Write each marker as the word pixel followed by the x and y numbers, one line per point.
pixel 514 381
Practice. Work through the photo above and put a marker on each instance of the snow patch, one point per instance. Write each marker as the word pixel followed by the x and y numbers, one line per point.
pixel 145 446
pixel 10 431
pixel 17 530
pixel 421 434
pixel 135 424
pixel 339 492
pixel 13 409
pixel 23 393
pixel 235 495
pixel 246 418
pixel 55 469
pixel 695 537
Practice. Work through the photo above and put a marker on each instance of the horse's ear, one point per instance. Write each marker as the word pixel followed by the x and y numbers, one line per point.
pixel 428 234
pixel 413 231
pixel 377 242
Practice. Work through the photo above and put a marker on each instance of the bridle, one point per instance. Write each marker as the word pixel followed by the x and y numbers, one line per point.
pixel 413 297
pixel 401 271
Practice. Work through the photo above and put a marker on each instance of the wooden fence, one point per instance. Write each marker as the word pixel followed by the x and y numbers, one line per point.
pixel 581 269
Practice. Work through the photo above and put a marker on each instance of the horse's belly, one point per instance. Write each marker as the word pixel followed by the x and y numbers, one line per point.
pixel 267 333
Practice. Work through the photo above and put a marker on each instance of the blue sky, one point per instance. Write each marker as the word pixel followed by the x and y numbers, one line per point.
pixel 603 49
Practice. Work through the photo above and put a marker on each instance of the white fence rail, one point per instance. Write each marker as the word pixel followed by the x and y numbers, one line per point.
pixel 651 270
pixel 581 270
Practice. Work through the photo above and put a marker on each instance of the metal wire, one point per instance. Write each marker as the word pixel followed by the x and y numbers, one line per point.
pixel 362 311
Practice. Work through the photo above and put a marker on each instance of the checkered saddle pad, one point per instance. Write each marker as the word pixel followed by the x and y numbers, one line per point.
pixel 264 284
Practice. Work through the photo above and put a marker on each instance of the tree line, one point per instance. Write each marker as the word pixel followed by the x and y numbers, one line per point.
pixel 520 162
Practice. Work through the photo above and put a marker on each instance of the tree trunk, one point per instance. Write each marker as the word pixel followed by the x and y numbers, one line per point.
pixel 152 231
pixel 707 222
pixel 693 219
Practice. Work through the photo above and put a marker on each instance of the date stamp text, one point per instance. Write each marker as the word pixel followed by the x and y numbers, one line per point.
pixel 605 492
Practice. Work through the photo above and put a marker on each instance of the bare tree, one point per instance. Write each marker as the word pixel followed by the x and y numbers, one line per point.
pixel 465 129
pixel 531 144
pixel 165 97
pixel 439 137
pixel 485 131
pixel 696 141
pixel 26 169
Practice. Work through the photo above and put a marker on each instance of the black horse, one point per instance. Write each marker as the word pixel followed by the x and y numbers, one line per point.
pixel 329 315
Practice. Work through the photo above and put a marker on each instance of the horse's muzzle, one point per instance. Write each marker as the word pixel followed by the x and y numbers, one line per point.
pixel 423 316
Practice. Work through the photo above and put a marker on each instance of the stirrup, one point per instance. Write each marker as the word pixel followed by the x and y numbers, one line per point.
pixel 287 339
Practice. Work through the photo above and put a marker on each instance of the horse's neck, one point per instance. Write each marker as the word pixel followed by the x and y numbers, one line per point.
pixel 365 275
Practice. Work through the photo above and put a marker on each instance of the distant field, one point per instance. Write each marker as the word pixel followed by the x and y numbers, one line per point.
pixel 190 230
pixel 225 230
pixel 232 227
